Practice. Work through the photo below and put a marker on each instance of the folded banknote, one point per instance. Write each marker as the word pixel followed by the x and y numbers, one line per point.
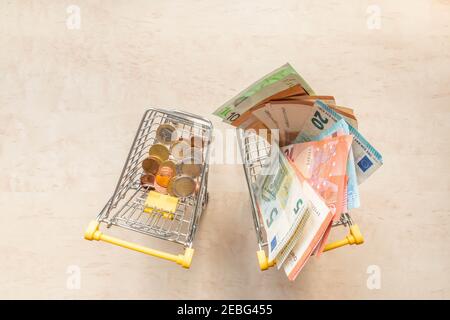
pixel 281 202
pixel 307 238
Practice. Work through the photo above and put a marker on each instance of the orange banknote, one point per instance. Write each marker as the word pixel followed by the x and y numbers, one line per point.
pixel 324 165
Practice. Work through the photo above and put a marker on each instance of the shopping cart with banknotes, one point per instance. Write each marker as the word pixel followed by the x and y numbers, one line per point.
pixel 255 151
pixel 128 207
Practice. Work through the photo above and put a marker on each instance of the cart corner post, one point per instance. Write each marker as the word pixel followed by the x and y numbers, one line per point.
pixel 354 237
pixel 356 233
pixel 92 231
pixel 264 263
pixel 185 259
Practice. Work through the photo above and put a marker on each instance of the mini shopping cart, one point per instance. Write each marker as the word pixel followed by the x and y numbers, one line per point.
pixel 125 208
pixel 255 150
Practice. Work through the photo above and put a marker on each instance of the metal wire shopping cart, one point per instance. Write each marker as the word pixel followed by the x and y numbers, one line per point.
pixel 255 150
pixel 125 209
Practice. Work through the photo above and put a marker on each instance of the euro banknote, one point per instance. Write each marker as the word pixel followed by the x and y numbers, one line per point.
pixel 322 117
pixel 347 113
pixel 352 192
pixel 276 81
pixel 285 94
pixel 307 238
pixel 323 164
pixel 291 116
pixel 288 116
pixel 281 202
pixel 250 120
pixel 326 99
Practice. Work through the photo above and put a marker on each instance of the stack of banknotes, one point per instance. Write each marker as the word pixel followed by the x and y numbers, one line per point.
pixel 318 159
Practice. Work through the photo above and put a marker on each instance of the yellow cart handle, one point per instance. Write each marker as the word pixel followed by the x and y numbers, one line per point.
pixel 354 237
pixel 93 233
pixel 263 261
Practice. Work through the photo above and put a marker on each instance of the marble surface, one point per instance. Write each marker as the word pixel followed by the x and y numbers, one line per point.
pixel 71 99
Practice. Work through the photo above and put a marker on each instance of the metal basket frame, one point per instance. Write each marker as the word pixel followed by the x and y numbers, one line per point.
pixel 125 207
pixel 255 150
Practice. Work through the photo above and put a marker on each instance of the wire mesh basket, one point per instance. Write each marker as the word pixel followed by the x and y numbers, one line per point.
pixel 255 151
pixel 125 208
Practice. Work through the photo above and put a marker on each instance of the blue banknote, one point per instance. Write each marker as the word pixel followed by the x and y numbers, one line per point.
pixel 367 158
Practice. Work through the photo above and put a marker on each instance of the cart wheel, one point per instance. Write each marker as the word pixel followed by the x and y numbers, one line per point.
pixel 205 200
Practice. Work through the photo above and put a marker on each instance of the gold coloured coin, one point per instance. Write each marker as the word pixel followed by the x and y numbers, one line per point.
pixel 151 165
pixel 160 151
pixel 171 164
pixel 166 133
pixel 183 186
pixel 191 166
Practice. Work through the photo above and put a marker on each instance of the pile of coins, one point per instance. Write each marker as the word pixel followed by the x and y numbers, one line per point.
pixel 173 164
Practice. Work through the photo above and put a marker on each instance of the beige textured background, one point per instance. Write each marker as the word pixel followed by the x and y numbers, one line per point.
pixel 70 101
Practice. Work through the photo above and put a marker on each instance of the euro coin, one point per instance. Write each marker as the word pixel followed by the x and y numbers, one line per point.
pixel 183 186
pixel 191 166
pixel 171 164
pixel 166 133
pixel 160 151
pixel 180 149
pixel 148 181
pixel 163 176
pixel 151 165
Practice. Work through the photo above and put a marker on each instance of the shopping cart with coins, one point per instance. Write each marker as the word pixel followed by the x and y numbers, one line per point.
pixel 255 151
pixel 162 189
